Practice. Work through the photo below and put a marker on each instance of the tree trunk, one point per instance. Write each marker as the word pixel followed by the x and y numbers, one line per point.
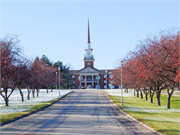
pixel 37 92
pixel 126 90
pixel 6 97
pixel 158 94
pixel 141 94
pixel 28 96
pixel 21 93
pixel 7 102
pixel 146 96
pixel 168 101
pixel 137 93
pixel 47 89
pixel 33 91
pixel 158 101
pixel 151 95
pixel 146 92
pixel 169 96
pixel 134 92
pixel 151 99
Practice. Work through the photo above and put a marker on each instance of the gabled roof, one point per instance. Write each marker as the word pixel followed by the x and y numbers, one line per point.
pixel 88 68
pixel 100 71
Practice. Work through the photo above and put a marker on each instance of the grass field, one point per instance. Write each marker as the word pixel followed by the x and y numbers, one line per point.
pixel 10 116
pixel 16 105
pixel 17 108
pixel 166 121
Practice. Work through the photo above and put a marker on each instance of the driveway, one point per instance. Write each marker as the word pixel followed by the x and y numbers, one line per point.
pixel 81 112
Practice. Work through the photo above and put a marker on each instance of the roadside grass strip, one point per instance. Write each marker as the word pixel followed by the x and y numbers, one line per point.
pixel 20 109
pixel 161 119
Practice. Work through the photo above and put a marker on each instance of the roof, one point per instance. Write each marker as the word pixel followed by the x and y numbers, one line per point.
pixel 108 70
pixel 77 71
pixel 72 71
pixel 101 71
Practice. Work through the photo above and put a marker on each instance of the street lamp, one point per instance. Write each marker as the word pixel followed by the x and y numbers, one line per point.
pixel 106 80
pixel 121 84
pixel 56 80
pixel 59 80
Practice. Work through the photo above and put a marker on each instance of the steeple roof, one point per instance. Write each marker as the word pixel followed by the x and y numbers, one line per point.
pixel 88 38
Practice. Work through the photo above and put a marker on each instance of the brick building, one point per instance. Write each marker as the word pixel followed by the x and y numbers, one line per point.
pixel 89 76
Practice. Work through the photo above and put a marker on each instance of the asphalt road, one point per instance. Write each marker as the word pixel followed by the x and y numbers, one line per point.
pixel 81 112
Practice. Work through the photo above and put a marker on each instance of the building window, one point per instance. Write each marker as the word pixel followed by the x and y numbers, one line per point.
pixel 104 86
pixel 73 82
pixel 98 77
pixel 89 78
pixel 73 76
pixel 111 76
pixel 104 76
pixel 104 81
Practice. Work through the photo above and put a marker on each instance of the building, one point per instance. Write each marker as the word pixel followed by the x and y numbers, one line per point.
pixel 89 76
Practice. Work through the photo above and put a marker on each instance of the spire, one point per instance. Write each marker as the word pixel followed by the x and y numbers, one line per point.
pixel 88 38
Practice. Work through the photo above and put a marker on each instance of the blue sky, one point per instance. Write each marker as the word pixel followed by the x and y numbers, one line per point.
pixel 58 28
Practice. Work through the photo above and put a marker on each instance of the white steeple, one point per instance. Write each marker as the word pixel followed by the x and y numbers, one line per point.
pixel 88 38
pixel 89 49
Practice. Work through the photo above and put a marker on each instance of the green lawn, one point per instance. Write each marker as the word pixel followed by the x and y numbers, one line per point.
pixel 166 121
pixel 10 116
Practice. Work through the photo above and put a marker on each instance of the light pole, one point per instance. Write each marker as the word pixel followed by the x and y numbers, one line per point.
pixel 56 80
pixel 106 80
pixel 121 84
pixel 59 80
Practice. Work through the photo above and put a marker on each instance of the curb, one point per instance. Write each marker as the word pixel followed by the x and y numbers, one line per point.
pixel 144 125
pixel 34 111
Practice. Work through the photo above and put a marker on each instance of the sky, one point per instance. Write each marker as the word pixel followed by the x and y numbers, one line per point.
pixel 58 28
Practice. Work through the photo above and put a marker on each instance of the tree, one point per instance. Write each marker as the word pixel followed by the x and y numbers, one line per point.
pixel 46 60
pixel 10 58
pixel 153 66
